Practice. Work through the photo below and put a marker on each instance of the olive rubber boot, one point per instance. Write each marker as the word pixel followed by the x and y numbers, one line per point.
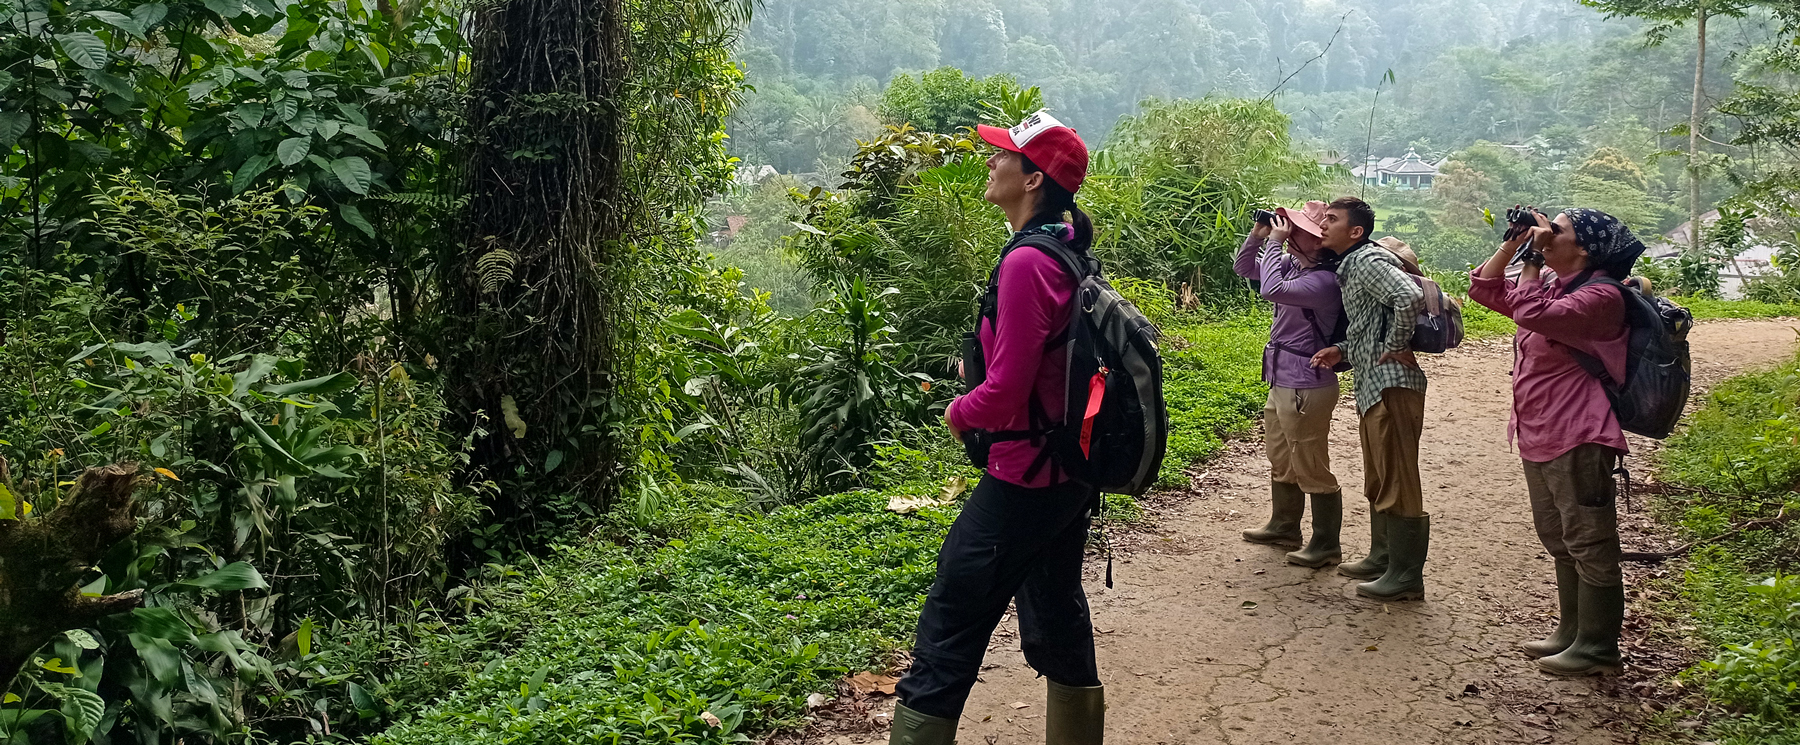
pixel 1328 520
pixel 1075 716
pixel 1376 563
pixel 1596 647
pixel 1408 541
pixel 912 728
pixel 1284 517
pixel 1568 600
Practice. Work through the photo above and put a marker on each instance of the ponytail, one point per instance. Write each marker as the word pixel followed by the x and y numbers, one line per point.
pixel 1054 202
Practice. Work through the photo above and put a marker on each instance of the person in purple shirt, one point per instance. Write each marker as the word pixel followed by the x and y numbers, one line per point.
pixel 1297 416
pixel 1562 420
pixel 1022 535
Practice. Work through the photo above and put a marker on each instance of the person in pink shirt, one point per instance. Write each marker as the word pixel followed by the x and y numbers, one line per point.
pixel 1022 533
pixel 1562 420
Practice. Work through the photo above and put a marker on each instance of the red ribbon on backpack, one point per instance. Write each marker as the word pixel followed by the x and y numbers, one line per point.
pixel 1096 394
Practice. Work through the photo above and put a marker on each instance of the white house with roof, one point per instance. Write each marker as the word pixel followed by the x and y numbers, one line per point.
pixel 1409 171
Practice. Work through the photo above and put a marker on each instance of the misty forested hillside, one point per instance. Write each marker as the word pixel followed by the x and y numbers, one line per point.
pixel 1503 70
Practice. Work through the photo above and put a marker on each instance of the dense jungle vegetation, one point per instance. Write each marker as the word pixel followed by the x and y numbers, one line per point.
pixel 484 385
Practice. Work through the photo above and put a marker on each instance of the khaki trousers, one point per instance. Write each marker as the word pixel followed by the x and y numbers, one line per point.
pixel 1573 509
pixel 1390 432
pixel 1297 436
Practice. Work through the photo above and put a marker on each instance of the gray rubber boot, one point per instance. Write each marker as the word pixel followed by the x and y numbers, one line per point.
pixel 1595 650
pixel 1288 502
pixel 1376 563
pixel 912 728
pixel 1327 521
pixel 1075 716
pixel 1409 539
pixel 1568 601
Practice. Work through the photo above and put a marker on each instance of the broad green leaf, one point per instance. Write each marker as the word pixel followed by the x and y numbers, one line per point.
pixel 160 657
pixel 353 173
pixel 120 21
pixel 113 84
pixel 250 113
pixel 321 386
pixel 303 638
pixel 329 128
pixel 82 710
pixel 226 9
pixel 82 639
pixel 247 174
pixel 234 576
pixel 553 460
pixel 269 444
pixel 149 14
pixel 6 80
pixel 9 505
pixel 355 217
pixel 56 665
pixel 377 54
pixel 12 126
pixel 304 122
pixel 293 150
pixel 161 623
pixel 11 698
pixel 366 135
pixel 84 49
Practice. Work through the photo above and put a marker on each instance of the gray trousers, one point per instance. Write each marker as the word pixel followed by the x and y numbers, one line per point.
pixel 1572 506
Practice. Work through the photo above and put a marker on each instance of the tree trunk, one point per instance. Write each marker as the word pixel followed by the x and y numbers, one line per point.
pixel 537 306
pixel 42 562
pixel 1694 135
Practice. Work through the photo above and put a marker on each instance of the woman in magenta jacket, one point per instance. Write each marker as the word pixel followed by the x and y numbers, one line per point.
pixel 1022 533
pixel 1563 421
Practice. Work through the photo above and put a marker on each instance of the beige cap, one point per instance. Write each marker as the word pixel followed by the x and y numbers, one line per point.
pixel 1399 248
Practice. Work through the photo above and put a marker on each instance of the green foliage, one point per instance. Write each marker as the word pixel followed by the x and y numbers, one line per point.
pixel 850 393
pixel 1738 454
pixel 1212 380
pixel 741 620
pixel 947 100
pixel 1612 164
pixel 1173 192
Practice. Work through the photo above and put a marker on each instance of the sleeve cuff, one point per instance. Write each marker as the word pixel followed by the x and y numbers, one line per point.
pixel 950 413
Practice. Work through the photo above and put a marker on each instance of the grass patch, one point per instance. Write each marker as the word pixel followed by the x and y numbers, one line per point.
pixel 744 615
pixel 1212 381
pixel 1742 451
pixel 1709 308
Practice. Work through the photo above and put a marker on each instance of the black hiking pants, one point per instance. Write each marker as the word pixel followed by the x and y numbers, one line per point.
pixel 1010 542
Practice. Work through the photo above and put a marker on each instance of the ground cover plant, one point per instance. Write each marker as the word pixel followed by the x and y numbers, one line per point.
pixel 1737 472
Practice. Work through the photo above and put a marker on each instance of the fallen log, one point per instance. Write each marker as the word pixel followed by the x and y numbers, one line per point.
pixel 43 560
pixel 1655 557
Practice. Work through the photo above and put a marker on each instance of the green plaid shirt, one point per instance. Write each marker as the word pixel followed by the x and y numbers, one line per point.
pixel 1383 304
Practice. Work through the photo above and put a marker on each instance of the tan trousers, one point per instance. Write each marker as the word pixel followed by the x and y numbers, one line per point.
pixel 1572 507
pixel 1297 435
pixel 1390 432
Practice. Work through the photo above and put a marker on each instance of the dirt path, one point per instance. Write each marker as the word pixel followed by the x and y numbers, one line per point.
pixel 1207 639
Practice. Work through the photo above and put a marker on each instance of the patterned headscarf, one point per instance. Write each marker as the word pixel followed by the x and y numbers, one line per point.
pixel 1608 243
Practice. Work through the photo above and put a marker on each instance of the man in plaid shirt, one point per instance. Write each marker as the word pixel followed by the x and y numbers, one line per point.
pixel 1382 302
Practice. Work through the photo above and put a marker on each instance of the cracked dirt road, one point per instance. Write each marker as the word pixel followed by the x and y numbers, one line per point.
pixel 1207 639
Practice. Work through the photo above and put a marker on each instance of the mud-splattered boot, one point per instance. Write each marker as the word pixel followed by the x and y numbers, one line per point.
pixel 1409 539
pixel 1323 548
pixel 1376 563
pixel 1568 600
pixel 1288 502
pixel 1595 650
pixel 912 728
pixel 1075 716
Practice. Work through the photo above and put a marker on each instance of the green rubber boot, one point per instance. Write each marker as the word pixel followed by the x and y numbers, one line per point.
pixel 1568 600
pixel 1409 538
pixel 1327 521
pixel 1595 650
pixel 1376 563
pixel 912 728
pixel 1075 716
pixel 1284 517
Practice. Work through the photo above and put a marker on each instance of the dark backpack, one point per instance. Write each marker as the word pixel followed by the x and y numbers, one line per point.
pixel 1658 370
pixel 1115 425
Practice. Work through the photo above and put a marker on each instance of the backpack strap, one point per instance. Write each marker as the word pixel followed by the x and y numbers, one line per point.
pixel 1078 266
pixel 1588 362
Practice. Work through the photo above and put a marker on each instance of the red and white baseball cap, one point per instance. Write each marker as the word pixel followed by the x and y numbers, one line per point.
pixel 1056 149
